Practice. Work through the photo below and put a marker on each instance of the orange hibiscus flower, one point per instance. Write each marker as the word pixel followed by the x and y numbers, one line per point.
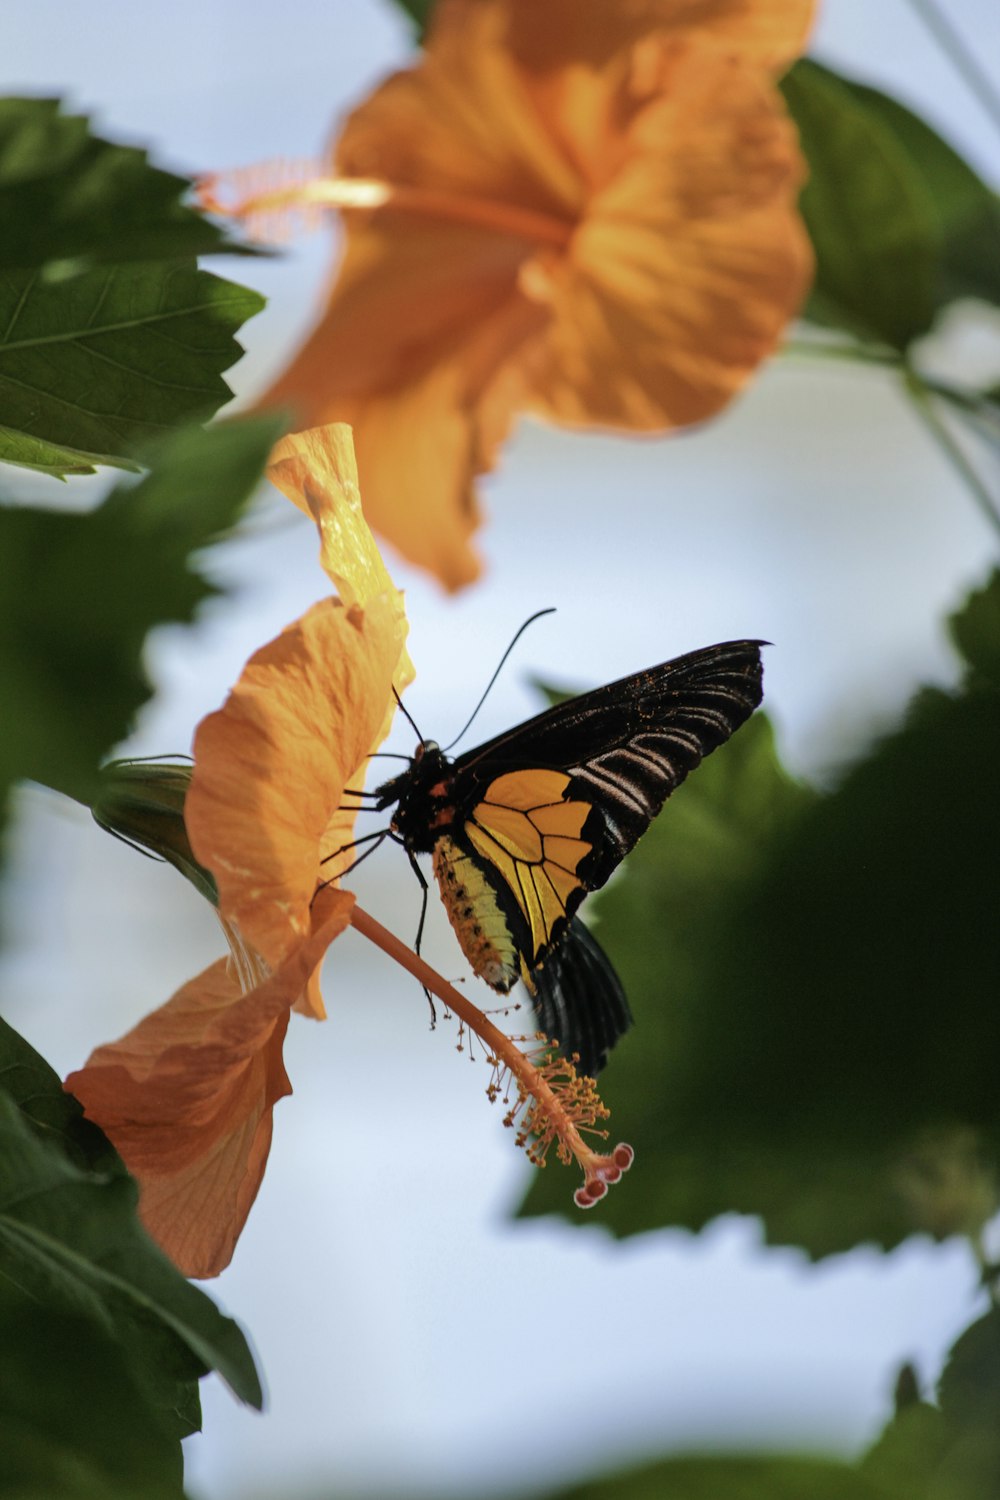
pixel 582 209
pixel 260 827
pixel 187 1096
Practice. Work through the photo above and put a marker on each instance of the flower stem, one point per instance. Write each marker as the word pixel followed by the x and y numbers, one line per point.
pixel 921 393
pixel 923 404
pixel 841 350
pixel 962 59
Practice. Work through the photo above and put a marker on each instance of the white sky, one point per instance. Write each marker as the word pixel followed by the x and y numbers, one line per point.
pixel 411 1335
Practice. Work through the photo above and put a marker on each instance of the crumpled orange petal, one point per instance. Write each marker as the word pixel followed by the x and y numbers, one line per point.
pixel 590 212
pixel 265 803
pixel 425 314
pixel 317 469
pixel 187 1097
pixel 768 33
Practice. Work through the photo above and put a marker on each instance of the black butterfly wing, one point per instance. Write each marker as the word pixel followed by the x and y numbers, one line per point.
pixel 550 808
pixel 580 1000
pixel 626 746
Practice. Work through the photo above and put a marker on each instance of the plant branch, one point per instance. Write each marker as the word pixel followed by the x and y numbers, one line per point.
pixel 962 59
pixel 939 430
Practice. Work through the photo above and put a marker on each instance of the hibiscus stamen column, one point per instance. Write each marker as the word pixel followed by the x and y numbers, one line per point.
pixel 554 1102
pixel 268 197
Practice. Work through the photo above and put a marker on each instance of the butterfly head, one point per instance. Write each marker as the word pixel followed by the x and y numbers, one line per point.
pixel 422 795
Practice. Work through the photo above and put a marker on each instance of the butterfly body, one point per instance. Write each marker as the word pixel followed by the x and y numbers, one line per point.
pixel 523 827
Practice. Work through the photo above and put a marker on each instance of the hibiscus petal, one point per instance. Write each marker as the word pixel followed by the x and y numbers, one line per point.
pixel 769 33
pixel 423 313
pixel 426 305
pixel 317 470
pixel 187 1098
pixel 271 765
pixel 691 260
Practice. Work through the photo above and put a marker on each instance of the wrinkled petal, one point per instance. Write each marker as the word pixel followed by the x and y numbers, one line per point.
pixel 271 765
pixel 420 445
pixel 266 806
pixel 768 33
pixel 317 470
pixel 187 1098
pixel 691 261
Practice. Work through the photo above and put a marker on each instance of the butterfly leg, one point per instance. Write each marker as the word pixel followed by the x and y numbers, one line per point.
pixel 379 838
pixel 418 872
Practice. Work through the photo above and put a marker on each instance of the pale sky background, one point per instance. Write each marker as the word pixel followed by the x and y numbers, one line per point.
pixel 413 1337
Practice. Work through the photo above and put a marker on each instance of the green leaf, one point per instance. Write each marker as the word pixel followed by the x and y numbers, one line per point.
pixel 908 1451
pixel 74 1425
pixel 967 211
pixel 71 1240
pixel 950 1451
pixel 81 593
pixel 93 366
pixel 969 1389
pixel 813 978
pixel 868 212
pixel 419 12
pixel 69 198
pixel 901 224
pixel 976 631
pixel 56 1116
pixel 733 1478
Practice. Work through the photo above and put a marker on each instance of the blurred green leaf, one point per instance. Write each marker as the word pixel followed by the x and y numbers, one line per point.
pixel 950 1451
pixel 868 213
pixel 727 1478
pixel 74 1425
pixel 81 593
pixel 901 225
pixel 976 631
pixel 71 1240
pixel 419 12
pixel 969 1389
pixel 908 1451
pixel 814 980
pixel 967 211
pixel 67 196
pixel 96 364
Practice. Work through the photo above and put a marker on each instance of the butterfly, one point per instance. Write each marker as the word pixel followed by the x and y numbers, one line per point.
pixel 521 828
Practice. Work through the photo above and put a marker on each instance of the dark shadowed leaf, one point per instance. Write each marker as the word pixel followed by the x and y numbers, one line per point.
pixel 813 979
pixel 27 1079
pixel 95 364
pixel 976 631
pixel 82 591
pixel 970 1384
pixel 71 1241
pixel 75 1427
pixel 68 198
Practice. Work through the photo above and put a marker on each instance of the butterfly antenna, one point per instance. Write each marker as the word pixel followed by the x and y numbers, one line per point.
pixel 468 724
pixel 408 717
